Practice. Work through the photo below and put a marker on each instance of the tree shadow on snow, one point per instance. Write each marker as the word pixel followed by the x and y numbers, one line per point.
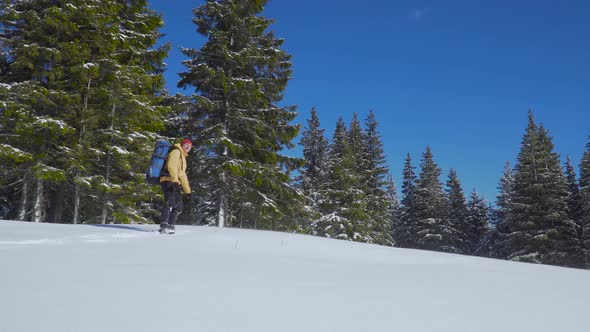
pixel 138 228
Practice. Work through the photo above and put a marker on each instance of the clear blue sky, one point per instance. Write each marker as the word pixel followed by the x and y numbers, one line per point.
pixel 458 75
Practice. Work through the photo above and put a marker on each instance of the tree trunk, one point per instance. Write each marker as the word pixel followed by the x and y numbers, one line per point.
pixel 76 216
pixel 108 170
pixel 22 211
pixel 221 217
pixel 38 214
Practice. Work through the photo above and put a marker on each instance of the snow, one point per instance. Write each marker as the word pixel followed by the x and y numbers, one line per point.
pixel 242 79
pixel 120 150
pixel 12 149
pixel 5 86
pixel 130 278
pixel 43 120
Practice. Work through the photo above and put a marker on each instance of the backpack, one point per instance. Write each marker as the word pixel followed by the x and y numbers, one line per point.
pixel 156 167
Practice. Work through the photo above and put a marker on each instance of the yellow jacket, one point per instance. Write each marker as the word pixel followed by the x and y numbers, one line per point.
pixel 176 166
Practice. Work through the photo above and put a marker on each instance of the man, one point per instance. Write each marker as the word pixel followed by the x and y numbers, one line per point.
pixel 173 184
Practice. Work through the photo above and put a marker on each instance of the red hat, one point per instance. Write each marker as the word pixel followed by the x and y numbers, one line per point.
pixel 186 141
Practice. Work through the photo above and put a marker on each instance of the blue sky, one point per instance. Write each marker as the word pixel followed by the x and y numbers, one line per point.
pixel 458 75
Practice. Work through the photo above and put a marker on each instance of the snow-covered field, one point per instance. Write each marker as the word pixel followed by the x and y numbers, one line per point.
pixel 130 278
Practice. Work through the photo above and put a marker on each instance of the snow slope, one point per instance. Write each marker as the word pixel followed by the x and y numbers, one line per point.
pixel 130 278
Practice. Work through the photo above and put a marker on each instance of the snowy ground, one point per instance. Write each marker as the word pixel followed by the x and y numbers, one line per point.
pixel 130 278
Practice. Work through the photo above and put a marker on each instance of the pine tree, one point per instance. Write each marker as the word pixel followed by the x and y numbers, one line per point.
pixel 504 198
pixel 379 187
pixel 129 79
pixel 357 141
pixel 574 210
pixel 394 205
pixel 315 148
pixel 80 72
pixel 457 215
pixel 239 76
pixel 404 230
pixel 574 200
pixel 433 229
pixel 499 220
pixel 343 209
pixel 478 226
pixel 538 229
pixel 585 199
pixel 36 127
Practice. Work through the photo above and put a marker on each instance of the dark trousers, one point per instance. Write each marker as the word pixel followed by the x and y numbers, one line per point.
pixel 173 203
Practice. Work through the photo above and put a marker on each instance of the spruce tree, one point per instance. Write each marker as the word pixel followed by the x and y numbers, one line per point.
pixel 379 187
pixel 239 77
pixel 574 201
pixel 574 210
pixel 585 202
pixel 457 215
pixel 394 205
pixel 404 229
pixel 433 229
pixel 478 226
pixel 315 148
pixel 130 79
pixel 538 228
pixel 499 220
pixel 504 198
pixel 83 77
pixel 344 213
pixel 357 144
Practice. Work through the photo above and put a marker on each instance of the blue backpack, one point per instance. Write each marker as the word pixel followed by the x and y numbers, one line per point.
pixel 154 171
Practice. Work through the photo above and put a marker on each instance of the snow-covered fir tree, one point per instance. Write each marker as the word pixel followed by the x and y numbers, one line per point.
pixel 457 214
pixel 132 81
pixel 537 226
pixel 343 208
pixel 478 226
pixel 394 205
pixel 238 77
pixel 585 197
pixel 315 149
pixel 574 210
pixel 504 197
pixel 379 184
pixel 432 227
pixel 500 212
pixel 404 227
pixel 574 201
pixel 81 76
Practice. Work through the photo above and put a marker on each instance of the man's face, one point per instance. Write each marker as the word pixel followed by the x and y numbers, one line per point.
pixel 187 147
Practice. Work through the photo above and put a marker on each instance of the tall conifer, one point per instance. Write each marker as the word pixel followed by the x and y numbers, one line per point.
pixel 585 198
pixel 313 177
pixel 344 213
pixel 433 229
pixel 404 229
pixel 504 198
pixel 239 77
pixel 377 182
pixel 315 149
pixel 478 226
pixel 538 228
pixel 457 216
pixel 82 75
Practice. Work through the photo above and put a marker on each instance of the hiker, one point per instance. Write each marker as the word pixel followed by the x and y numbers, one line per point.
pixel 173 182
